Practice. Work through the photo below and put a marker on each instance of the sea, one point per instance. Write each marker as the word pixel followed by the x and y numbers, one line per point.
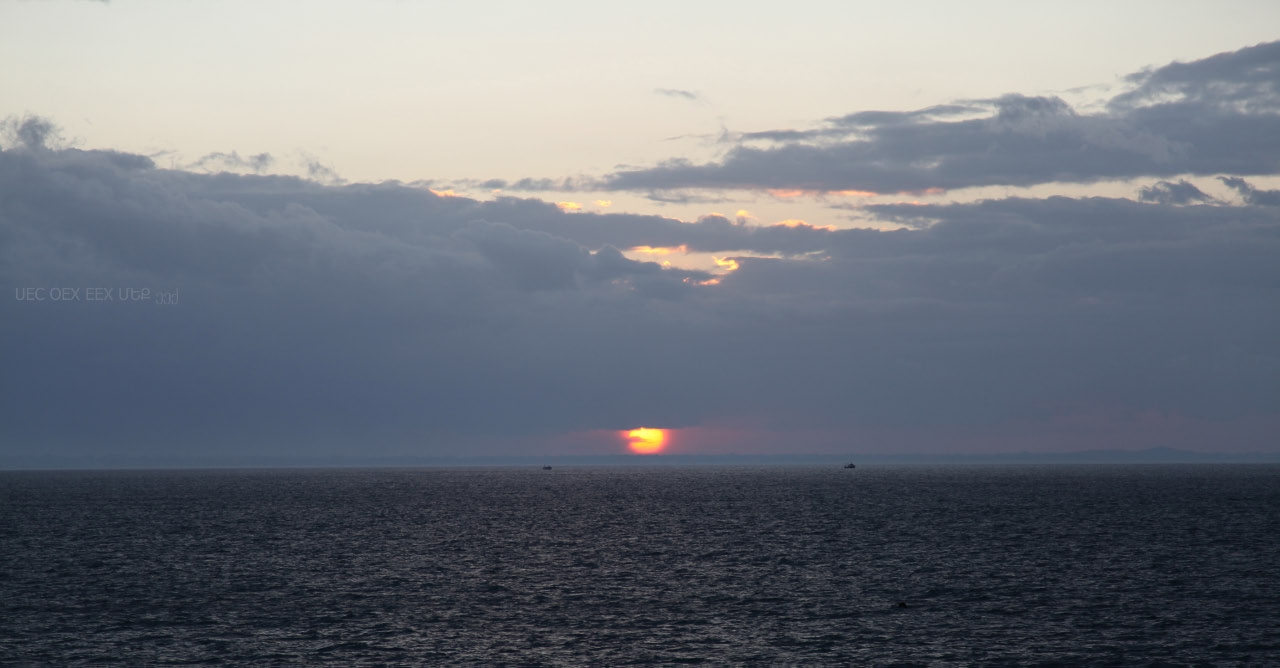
pixel 1067 565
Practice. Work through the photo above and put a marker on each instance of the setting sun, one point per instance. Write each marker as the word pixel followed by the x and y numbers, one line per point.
pixel 646 441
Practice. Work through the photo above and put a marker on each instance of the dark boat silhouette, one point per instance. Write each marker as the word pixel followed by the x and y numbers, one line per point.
pixel 850 466
pixel 546 468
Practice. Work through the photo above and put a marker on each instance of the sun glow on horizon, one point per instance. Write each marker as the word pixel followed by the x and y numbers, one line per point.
pixel 646 441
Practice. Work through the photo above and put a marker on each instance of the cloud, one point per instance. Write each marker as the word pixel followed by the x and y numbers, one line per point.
pixel 1251 194
pixel 1219 115
pixel 1245 81
pixel 876 118
pixel 33 133
pixel 1168 192
pixel 679 94
pixel 527 184
pixel 233 162
pixel 327 319
pixel 318 171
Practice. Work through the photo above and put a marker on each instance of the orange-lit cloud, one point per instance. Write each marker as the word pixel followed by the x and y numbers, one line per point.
pixel 569 206
pixel 854 193
pixel 444 193
pixel 659 250
pixel 743 213
pixel 787 193
pixel 604 203
pixel 727 262
pixel 646 441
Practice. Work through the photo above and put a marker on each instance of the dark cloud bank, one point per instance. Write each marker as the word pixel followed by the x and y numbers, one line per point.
pixel 368 320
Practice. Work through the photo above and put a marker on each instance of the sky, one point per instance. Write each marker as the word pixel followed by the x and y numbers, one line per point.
pixel 238 230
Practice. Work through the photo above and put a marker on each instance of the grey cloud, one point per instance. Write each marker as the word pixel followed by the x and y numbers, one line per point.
pixel 678 93
pixel 1251 194
pixel 30 132
pixel 233 162
pixel 1246 81
pixel 677 197
pixel 792 135
pixel 852 124
pixel 1214 116
pixel 313 317
pixel 536 260
pixel 875 118
pixel 529 184
pixel 318 171
pixel 1169 192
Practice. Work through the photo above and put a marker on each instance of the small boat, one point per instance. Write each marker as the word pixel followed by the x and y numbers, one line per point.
pixel 850 465
pixel 546 468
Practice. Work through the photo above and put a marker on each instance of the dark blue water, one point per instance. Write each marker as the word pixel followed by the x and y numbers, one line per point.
pixel 1172 565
